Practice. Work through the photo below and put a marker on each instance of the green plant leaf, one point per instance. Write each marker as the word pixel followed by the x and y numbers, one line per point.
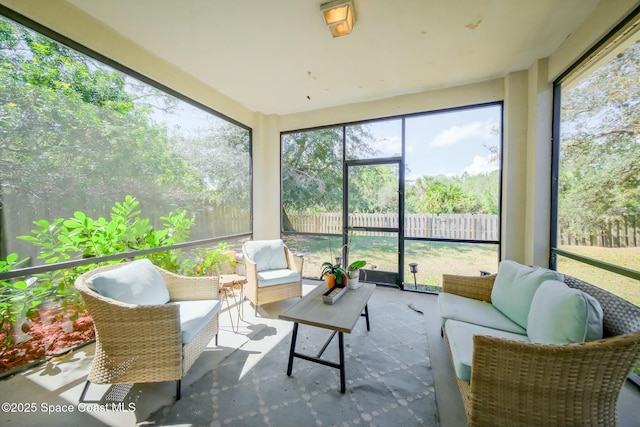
pixel 20 285
pixel 70 223
pixel 65 239
pixel 357 264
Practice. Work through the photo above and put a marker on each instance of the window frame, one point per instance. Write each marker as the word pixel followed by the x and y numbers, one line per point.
pixel 401 160
pixel 628 23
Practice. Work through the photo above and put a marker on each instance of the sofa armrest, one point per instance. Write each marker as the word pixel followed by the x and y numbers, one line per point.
pixel 514 383
pixel 189 288
pixel 476 287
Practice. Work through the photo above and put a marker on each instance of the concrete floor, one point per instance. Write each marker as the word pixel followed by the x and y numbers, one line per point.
pixel 51 391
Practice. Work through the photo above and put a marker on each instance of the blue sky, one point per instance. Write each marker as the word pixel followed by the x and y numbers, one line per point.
pixel 447 143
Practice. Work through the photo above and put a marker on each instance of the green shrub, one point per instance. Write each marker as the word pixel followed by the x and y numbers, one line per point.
pixel 82 236
pixel 208 262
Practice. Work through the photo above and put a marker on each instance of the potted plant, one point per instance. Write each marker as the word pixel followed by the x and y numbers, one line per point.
pixel 353 273
pixel 333 274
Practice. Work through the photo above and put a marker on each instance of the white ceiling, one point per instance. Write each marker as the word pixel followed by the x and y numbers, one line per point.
pixel 277 56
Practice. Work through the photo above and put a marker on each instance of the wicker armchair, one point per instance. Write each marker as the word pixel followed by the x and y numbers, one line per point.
pixel 524 384
pixel 144 343
pixel 274 273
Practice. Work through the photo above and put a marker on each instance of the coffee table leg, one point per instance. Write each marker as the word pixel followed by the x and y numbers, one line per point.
pixel 294 336
pixel 342 373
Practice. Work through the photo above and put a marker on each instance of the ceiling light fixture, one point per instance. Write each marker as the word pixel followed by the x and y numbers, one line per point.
pixel 339 15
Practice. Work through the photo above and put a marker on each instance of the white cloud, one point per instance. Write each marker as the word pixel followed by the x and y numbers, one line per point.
pixel 456 134
pixel 388 146
pixel 480 165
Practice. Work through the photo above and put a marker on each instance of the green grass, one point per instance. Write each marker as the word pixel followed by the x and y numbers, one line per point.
pixel 434 259
pixel 316 250
pixel 624 287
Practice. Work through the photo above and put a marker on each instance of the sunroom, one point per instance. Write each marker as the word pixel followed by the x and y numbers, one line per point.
pixel 428 139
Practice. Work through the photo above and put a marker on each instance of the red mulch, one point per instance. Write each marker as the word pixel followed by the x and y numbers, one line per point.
pixel 51 333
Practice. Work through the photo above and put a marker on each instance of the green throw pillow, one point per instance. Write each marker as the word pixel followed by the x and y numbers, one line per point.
pixel 515 286
pixel 563 315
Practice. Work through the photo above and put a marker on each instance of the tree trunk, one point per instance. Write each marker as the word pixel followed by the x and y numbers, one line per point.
pixel 286 223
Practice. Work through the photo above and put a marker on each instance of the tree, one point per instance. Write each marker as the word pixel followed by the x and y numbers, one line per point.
pixel 77 135
pixel 445 195
pixel 219 179
pixel 600 145
pixel 312 170
pixel 312 167
pixel 71 136
pixel 373 189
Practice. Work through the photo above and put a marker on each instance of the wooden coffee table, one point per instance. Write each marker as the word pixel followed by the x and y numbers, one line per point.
pixel 340 317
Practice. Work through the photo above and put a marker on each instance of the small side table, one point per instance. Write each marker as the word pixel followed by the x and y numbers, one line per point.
pixel 228 282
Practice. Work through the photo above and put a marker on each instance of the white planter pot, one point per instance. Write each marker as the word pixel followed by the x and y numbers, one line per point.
pixel 355 282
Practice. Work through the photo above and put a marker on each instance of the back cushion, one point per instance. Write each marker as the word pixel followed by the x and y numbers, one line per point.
pixel 563 315
pixel 136 282
pixel 267 254
pixel 515 286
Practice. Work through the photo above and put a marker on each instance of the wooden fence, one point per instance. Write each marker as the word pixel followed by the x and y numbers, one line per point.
pixel 618 233
pixel 449 226
pixel 220 221
pixel 210 222
pixel 621 232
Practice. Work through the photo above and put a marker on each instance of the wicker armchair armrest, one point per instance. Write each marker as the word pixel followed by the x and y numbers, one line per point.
pixel 526 384
pixel 252 272
pixel 295 262
pixel 188 288
pixel 476 287
pixel 123 330
pixel 132 322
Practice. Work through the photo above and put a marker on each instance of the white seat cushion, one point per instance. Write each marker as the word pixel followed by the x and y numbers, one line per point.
pixel 277 277
pixel 136 282
pixel 460 336
pixel 474 311
pixel 194 315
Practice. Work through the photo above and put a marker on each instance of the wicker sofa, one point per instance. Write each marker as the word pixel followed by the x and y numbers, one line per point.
pixel 151 325
pixel 515 382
